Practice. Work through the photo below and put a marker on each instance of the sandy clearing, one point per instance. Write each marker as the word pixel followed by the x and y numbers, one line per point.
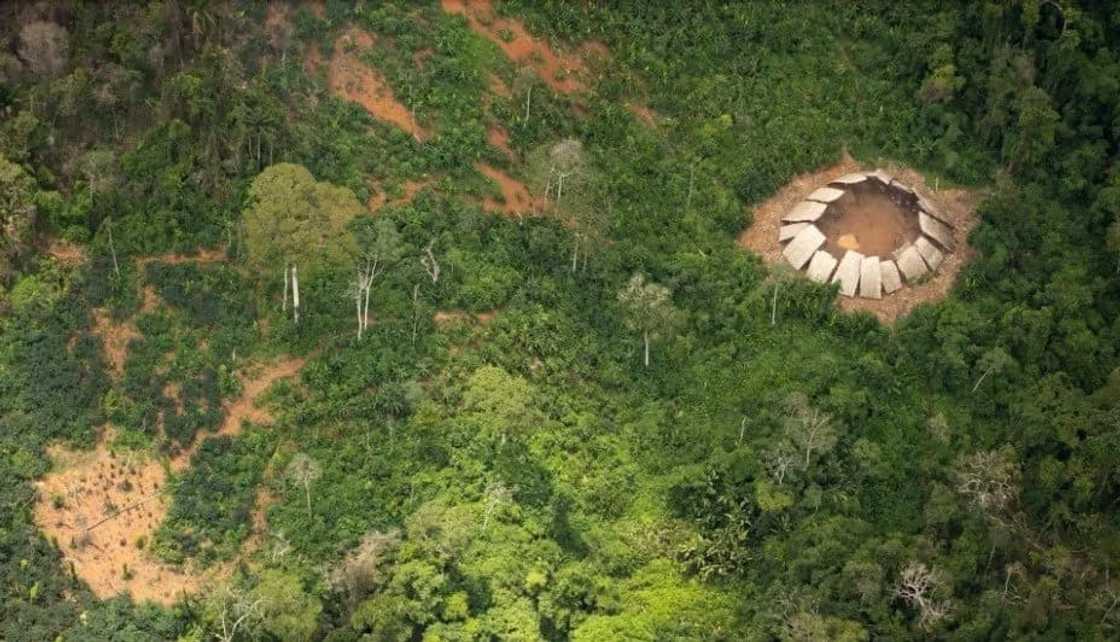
pixel 957 205
pixel 103 508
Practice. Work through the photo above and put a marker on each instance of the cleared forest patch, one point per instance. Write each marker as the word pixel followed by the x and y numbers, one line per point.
pixel 103 508
pixel 957 205
pixel 516 199
pixel 353 80
pixel 559 71
pixel 115 337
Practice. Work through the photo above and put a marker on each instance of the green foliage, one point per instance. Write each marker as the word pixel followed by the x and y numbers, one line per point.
pixel 293 219
pixel 514 476
pixel 211 502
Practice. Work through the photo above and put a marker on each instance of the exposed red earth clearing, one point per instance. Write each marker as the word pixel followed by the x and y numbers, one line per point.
pixel 499 139
pixel 103 508
pixel 516 199
pixel 353 80
pixel 558 71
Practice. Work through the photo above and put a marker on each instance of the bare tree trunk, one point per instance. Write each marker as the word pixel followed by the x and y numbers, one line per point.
pixel 645 340
pixel 284 308
pixel 981 379
pixel 358 307
pixel 575 252
pixel 307 492
pixel 295 293
pixel 365 310
pixel 415 310
pixel 774 307
pixel 113 249
pixel 528 97
pixel 691 182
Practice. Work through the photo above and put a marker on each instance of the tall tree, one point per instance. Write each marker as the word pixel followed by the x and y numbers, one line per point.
pixel 648 309
pixel 294 220
pixel 380 248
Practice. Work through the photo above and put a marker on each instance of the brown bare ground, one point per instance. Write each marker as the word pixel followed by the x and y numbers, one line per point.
pixel 558 71
pixel 957 205
pixel 498 138
pixel 411 188
pixel 65 252
pixel 114 338
pixel 868 220
pixel 516 200
pixel 353 80
pixel 99 506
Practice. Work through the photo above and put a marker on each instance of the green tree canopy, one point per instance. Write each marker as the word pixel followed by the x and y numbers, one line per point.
pixel 292 218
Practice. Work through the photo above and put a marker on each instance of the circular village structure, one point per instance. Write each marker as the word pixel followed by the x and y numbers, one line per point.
pixel 867 232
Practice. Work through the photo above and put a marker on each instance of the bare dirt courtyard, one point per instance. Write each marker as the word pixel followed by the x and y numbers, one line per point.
pixel 870 223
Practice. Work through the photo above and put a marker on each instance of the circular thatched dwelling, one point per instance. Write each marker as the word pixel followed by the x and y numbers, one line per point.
pixel 867 231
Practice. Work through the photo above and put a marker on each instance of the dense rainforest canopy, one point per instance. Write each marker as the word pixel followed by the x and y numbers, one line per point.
pixel 400 321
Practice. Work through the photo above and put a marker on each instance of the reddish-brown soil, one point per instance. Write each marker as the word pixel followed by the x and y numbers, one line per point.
pixel 958 206
pixel 499 139
pixel 244 408
pixel 558 71
pixel 379 199
pixel 103 508
pixel 516 199
pixel 353 80
pixel 867 220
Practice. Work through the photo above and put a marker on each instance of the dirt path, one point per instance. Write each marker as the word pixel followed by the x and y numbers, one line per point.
pixel 958 205
pixel 559 71
pixel 103 508
pixel 353 80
